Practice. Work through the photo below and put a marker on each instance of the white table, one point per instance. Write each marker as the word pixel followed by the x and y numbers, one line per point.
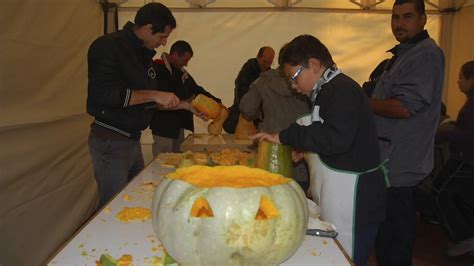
pixel 104 233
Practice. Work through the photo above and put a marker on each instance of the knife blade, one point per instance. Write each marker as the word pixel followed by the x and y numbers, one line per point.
pixel 322 233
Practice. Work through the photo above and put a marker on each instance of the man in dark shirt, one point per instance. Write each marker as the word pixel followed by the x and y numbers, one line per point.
pixel 248 74
pixel 122 96
pixel 168 126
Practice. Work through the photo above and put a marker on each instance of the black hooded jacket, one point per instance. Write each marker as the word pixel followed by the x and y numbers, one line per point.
pixel 118 64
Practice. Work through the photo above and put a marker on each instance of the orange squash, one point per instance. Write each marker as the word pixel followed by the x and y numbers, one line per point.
pixel 206 105
pixel 215 127
pixel 245 128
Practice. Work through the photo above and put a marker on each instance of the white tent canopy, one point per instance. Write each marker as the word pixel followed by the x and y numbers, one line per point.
pixel 47 188
pixel 431 5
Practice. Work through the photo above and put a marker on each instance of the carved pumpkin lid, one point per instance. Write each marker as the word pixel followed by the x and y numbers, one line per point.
pixel 227 176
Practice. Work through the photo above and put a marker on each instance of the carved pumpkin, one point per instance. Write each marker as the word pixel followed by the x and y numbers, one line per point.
pixel 206 105
pixel 244 128
pixel 215 127
pixel 274 158
pixel 229 215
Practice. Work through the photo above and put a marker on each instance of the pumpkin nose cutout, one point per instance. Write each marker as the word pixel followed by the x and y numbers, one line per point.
pixel 267 209
pixel 201 208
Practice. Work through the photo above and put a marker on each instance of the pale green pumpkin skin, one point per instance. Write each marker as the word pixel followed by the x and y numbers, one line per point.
pixel 232 236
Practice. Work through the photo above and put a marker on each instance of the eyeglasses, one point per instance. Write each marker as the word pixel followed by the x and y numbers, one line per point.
pixel 297 74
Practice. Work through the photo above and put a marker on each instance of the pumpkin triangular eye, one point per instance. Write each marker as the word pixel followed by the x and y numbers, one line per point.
pixel 201 208
pixel 267 209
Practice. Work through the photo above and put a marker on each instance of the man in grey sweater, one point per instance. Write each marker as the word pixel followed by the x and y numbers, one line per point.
pixel 406 103
pixel 272 100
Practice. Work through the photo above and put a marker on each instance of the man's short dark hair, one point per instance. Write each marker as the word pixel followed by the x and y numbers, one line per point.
pixel 304 47
pixel 419 5
pixel 181 47
pixel 262 50
pixel 467 70
pixel 157 15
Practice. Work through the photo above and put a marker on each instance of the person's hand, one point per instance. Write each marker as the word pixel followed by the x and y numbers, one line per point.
pixel 166 100
pixel 296 156
pixel 274 138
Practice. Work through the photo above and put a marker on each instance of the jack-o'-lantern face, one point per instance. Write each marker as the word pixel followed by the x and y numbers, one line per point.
pixel 228 215
pixel 266 210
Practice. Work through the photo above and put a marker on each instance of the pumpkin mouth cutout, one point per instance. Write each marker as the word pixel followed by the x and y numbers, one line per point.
pixel 227 176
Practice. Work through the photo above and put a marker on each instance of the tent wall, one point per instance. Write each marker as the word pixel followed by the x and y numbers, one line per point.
pixel 47 187
pixel 462 50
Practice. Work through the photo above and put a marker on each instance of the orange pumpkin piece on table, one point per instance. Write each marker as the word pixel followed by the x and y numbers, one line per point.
pixel 245 128
pixel 206 105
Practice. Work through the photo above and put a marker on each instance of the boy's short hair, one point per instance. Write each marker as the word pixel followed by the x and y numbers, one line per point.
pixel 303 48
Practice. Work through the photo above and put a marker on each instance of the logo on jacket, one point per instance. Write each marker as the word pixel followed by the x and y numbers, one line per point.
pixel 151 73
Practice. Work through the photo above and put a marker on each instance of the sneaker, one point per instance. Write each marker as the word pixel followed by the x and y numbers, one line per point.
pixel 461 248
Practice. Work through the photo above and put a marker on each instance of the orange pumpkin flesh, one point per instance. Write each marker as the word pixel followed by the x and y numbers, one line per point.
pixel 201 208
pixel 267 209
pixel 244 128
pixel 235 177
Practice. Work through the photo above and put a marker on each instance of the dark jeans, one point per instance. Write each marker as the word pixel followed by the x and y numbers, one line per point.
pixel 396 236
pixel 116 160
pixel 364 239
pixel 455 202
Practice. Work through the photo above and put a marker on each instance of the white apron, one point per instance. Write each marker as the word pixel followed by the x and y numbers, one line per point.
pixel 334 191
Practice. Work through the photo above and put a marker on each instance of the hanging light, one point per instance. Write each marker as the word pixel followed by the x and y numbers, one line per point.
pixel 284 3
pixel 200 3
pixel 367 4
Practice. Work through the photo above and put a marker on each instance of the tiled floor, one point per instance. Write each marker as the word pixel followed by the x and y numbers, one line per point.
pixel 430 246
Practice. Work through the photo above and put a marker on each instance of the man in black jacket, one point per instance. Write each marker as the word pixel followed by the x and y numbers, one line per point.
pixel 122 96
pixel 168 126
pixel 249 73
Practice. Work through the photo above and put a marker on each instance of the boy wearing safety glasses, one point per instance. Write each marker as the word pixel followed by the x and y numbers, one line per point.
pixel 340 144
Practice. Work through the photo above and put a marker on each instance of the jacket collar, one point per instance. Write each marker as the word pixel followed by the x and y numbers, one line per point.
pixel 135 41
pixel 164 57
pixel 405 46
